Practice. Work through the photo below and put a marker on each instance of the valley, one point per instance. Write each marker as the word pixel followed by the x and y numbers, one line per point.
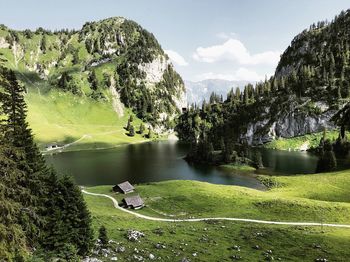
pixel 258 173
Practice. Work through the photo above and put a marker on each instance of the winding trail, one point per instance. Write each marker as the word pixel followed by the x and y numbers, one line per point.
pixel 115 203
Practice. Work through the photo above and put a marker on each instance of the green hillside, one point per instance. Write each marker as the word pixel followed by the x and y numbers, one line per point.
pixel 86 83
pixel 61 117
pixel 292 199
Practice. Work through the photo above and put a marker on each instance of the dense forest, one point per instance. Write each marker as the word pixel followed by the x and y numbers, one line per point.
pixel 311 83
pixel 41 213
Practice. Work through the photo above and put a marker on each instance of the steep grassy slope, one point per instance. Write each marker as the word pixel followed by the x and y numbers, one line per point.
pixel 59 117
pixel 303 199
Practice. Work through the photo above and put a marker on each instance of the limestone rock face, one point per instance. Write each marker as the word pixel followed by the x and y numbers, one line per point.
pixel 154 71
pixel 287 125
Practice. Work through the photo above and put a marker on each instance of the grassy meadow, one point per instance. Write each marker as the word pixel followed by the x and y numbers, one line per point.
pixel 322 198
pixel 63 118
pixel 295 143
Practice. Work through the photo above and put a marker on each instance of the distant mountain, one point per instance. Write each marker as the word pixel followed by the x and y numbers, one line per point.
pixel 198 91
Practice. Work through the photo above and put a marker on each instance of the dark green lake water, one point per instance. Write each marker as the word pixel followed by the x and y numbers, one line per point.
pixel 159 161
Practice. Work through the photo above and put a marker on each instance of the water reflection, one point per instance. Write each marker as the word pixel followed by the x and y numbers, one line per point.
pixel 159 161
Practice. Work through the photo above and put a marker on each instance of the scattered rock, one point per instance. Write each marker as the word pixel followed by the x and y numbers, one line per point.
pixel 114 258
pixel 105 252
pixel 151 256
pixel 160 246
pixel 238 248
pixel 185 260
pixel 134 235
pixel 91 259
pixel 257 247
pixel 316 246
pixel 120 249
pixel 321 260
pixel 236 257
pixel 138 257
pixel 194 254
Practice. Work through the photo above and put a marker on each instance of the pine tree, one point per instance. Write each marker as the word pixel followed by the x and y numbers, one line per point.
pixel 93 80
pixel 128 125
pixel 258 163
pixel 43 44
pixel 30 162
pixel 103 237
pixel 41 203
pixel 68 220
pixel 131 130
pixel 150 133
pixel 12 197
pixel 142 128
pixel 64 80
pixel 327 161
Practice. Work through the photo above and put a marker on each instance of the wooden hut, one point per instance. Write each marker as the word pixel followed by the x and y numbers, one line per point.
pixel 124 188
pixel 134 202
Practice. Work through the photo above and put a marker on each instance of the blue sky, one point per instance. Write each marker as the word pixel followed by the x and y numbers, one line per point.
pixel 228 39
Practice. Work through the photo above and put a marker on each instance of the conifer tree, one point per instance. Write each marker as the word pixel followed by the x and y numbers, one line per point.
pixel 131 130
pixel 93 80
pixel 30 161
pixel 43 44
pixel 103 237
pixel 68 220
pixel 150 133
pixel 142 128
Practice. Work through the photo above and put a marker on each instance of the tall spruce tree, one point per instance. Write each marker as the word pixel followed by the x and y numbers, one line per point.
pixel 28 198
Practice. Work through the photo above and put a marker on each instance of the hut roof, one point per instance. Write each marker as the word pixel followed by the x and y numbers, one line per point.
pixel 126 186
pixel 134 201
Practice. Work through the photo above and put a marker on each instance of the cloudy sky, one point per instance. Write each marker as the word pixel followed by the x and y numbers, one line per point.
pixel 226 39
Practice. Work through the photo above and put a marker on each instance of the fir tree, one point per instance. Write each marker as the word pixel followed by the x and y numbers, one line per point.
pixel 150 133
pixel 93 80
pixel 103 237
pixel 142 128
pixel 68 221
pixel 43 44
pixel 131 130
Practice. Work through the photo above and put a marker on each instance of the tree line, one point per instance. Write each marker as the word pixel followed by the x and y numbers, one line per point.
pixel 40 211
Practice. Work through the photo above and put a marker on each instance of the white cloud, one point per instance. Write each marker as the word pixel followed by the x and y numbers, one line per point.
pixel 223 35
pixel 234 50
pixel 176 58
pixel 242 74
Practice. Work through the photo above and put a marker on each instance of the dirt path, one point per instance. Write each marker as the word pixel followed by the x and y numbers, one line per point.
pixel 115 203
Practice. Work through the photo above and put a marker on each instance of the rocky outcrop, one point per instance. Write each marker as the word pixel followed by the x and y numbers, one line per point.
pixel 287 126
pixel 154 71
pixel 3 43
pixel 290 118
